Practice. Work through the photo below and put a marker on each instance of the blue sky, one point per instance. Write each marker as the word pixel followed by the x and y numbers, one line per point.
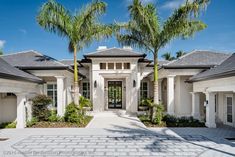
pixel 19 30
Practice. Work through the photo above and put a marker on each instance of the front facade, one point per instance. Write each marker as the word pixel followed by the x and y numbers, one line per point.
pixel 119 78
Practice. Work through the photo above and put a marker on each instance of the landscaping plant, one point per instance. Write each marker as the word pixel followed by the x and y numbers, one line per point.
pixel 40 107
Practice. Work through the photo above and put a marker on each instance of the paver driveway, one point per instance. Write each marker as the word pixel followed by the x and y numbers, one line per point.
pixel 117 141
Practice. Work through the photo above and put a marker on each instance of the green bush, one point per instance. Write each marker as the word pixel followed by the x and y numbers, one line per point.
pixel 8 125
pixel 84 102
pixel 159 114
pixel 172 121
pixel 54 118
pixel 32 122
pixel 40 107
pixel 71 113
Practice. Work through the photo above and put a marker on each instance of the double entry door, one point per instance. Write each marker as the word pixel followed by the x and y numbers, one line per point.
pixel 114 94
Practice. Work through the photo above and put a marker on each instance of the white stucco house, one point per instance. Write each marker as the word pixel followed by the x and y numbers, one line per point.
pixel 199 84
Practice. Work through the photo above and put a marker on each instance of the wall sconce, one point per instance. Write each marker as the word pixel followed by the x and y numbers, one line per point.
pixel 95 84
pixel 134 83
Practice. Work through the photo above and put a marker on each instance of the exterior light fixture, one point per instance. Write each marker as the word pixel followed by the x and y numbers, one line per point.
pixel 95 84
pixel 134 83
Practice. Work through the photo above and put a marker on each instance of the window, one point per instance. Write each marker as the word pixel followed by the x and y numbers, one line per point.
pixel 86 89
pixel 118 65
pixel 102 65
pixel 143 90
pixel 110 65
pixel 126 65
pixel 229 109
pixel 52 93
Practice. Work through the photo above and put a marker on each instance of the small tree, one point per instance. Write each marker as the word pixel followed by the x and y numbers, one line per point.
pixel 40 107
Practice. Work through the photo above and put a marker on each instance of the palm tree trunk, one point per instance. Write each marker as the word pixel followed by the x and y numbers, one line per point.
pixel 155 89
pixel 76 88
pixel 155 79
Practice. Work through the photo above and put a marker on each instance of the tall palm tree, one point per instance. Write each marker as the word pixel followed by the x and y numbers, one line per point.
pixel 180 53
pixel 1 52
pixel 167 56
pixel 80 28
pixel 144 30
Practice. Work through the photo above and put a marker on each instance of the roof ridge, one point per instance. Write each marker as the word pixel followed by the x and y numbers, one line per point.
pixel 99 51
pixel 129 50
pixel 20 52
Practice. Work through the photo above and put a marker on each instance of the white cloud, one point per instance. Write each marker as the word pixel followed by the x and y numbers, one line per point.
pixel 173 4
pixel 23 31
pixel 2 43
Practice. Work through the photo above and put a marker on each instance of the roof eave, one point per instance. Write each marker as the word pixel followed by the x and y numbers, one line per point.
pixel 215 76
pixel 14 77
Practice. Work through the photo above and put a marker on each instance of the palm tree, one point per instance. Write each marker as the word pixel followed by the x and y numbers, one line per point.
pixel 180 54
pixel 80 28
pixel 144 30
pixel 167 56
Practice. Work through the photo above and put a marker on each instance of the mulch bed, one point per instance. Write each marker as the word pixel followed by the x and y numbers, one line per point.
pixel 46 124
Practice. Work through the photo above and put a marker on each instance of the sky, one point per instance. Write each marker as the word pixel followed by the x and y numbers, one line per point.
pixel 19 30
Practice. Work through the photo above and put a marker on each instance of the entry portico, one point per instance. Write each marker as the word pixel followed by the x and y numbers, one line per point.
pixel 115 79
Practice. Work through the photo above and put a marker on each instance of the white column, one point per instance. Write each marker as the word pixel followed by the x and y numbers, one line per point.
pixel 60 95
pixel 210 110
pixel 160 90
pixel 195 105
pixel 21 117
pixel 170 94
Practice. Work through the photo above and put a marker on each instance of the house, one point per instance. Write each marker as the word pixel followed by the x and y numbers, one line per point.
pixel 116 78
pixel 216 87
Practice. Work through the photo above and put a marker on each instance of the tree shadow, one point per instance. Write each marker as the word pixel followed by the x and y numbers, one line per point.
pixel 170 137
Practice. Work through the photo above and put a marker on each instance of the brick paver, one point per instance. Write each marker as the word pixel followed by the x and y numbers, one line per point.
pixel 136 145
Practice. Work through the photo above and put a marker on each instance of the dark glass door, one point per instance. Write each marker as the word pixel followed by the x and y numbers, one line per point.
pixel 115 94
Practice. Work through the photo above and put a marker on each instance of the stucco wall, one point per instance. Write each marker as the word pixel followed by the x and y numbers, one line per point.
pixel 183 98
pixel 7 108
pixel 129 75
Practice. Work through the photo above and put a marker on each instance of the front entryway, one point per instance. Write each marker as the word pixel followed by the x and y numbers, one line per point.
pixel 114 119
pixel 114 94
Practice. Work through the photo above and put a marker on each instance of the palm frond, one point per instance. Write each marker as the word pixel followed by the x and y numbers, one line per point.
pixel 180 23
pixel 53 17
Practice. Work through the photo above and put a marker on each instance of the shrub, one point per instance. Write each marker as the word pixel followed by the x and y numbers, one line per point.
pixel 40 107
pixel 54 118
pixel 32 122
pixel 84 102
pixel 72 113
pixel 173 121
pixel 8 125
pixel 159 114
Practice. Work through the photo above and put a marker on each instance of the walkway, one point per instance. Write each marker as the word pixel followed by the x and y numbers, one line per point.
pixel 114 119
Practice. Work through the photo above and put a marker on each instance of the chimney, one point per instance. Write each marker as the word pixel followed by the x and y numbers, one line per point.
pixel 101 48
pixel 127 47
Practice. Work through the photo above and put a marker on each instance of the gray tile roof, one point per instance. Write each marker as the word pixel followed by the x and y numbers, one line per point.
pixel 115 52
pixel 198 59
pixel 32 59
pixel 160 63
pixel 227 68
pixel 67 62
pixel 10 72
